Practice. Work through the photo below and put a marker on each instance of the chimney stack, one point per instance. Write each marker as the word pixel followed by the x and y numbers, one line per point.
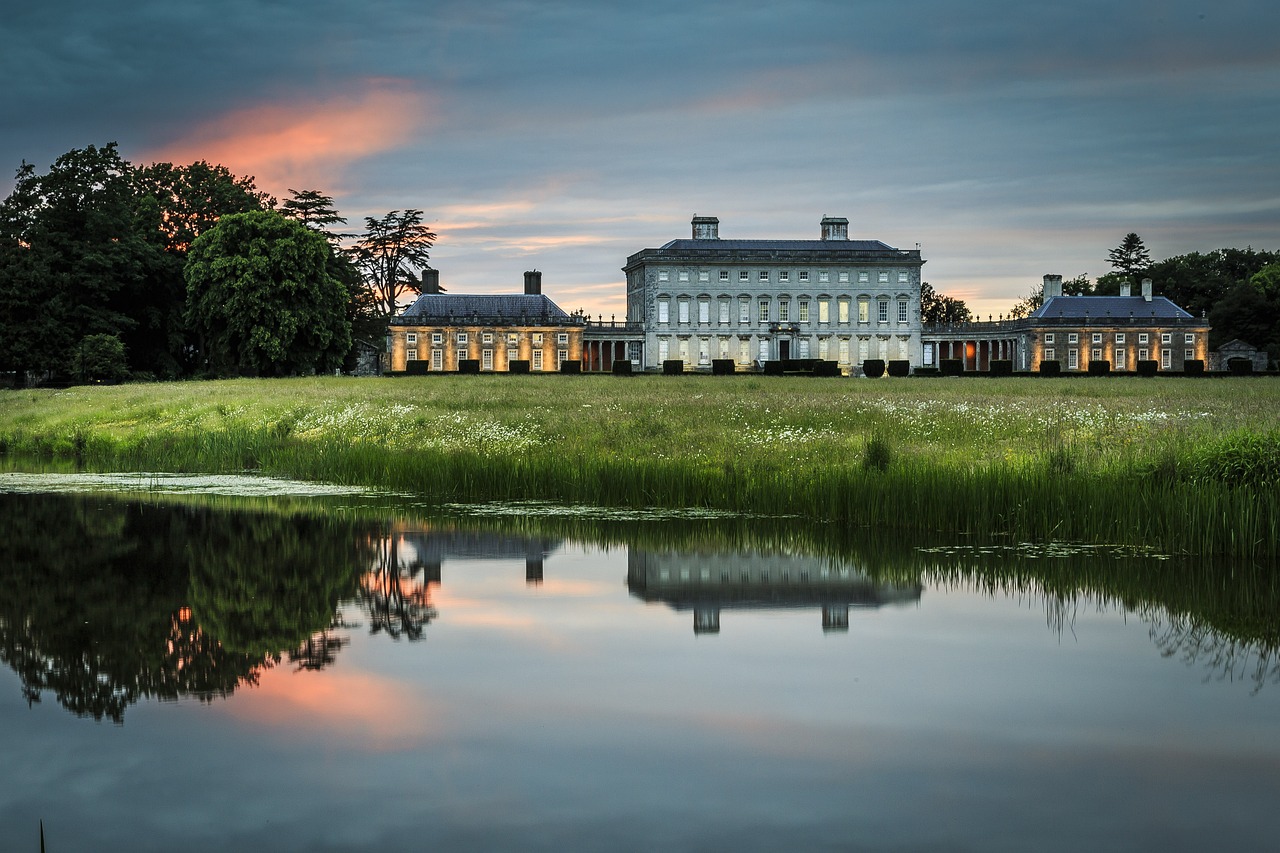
pixel 835 228
pixel 1125 287
pixel 1146 289
pixel 430 280
pixel 533 283
pixel 1052 286
pixel 706 228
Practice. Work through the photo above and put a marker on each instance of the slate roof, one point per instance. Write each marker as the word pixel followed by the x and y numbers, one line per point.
pixel 1117 307
pixel 777 245
pixel 451 308
pixel 764 251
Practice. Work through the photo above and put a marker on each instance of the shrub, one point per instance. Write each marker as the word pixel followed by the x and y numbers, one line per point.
pixel 722 367
pixel 569 365
pixel 873 367
pixel 1148 367
pixel 826 368
pixel 1099 368
pixel 1242 459
pixel 1001 367
pixel 622 367
pixel 950 366
pixel 878 453
pixel 899 367
pixel 927 371
pixel 100 358
pixel 672 367
pixel 1193 367
pixel 798 365
pixel 772 368
pixel 417 368
pixel 1240 366
pixel 1050 368
pixel 518 365
pixel 469 365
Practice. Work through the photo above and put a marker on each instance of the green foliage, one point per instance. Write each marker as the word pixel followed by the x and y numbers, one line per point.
pixel 937 309
pixel 263 300
pixel 389 254
pixel 100 358
pixel 1241 459
pixel 1130 258
pixel 877 454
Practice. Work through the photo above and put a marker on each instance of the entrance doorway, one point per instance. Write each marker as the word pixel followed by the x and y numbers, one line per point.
pixel 784 350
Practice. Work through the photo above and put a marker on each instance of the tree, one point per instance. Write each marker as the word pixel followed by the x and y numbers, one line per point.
pixel 100 358
pixel 313 210
pixel 1131 257
pixel 937 309
pixel 389 254
pixel 263 300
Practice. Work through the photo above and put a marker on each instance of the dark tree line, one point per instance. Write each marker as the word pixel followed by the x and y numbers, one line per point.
pixel 109 270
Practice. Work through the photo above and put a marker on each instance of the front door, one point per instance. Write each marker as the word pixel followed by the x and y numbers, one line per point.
pixel 784 350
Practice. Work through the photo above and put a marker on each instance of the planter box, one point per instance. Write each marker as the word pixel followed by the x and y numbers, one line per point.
pixel 899 367
pixel 722 367
pixel 873 368
pixel 672 367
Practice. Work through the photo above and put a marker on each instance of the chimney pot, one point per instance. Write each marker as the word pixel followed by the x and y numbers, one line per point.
pixel 706 228
pixel 1146 289
pixel 835 228
pixel 532 283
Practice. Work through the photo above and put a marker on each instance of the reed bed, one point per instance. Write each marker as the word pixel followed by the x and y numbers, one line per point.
pixel 1189 466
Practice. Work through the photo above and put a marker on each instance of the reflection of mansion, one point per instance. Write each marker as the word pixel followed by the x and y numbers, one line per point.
pixel 711 582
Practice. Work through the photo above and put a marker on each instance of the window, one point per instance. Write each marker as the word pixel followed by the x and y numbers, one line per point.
pixel 703 275
pixel 744 352
pixel 864 277
pixel 562 338
pixel 684 311
pixel 512 339
pixel 1188 354
pixel 1142 338
pixel 783 275
pixel 704 311
pixel 824 277
pixel 744 312
pixel 724 275
pixel 884 310
pixel 437 337
pixel 1121 364
pixel 803 311
pixel 462 337
pixel 664 349
pixel 1050 354
pixel 843 305
pixel 537 339
pixel 1166 338
pixel 724 347
pixel 1119 337
pixel 512 355
pixel 883 278
pixel 562 355
pixel 1097 337
pixel 902 278
pixel 704 351
pixel 1189 338
pixel 1166 359
pixel 824 346
pixel 1048 337
pixel 764 349
pixel 1144 354
pixel 844 278
pixel 486 359
pixel 1073 359
pixel 1073 338
pixel 864 310
pixel 411 354
pixel 537 359
pixel 743 275
pixel 804 347
pixel 664 311
pixel 902 312
pixel 684 350
pixel 724 312
pixel 437 359
pixel 1096 354
pixel 763 275
pixel 824 310
pixel 784 310
pixel 683 275
pixel 663 275
pixel 411 338
pixel 844 350
pixel 804 276
pixel 462 356
pixel 764 310
pixel 862 350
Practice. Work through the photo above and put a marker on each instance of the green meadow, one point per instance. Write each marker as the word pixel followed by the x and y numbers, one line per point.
pixel 1166 465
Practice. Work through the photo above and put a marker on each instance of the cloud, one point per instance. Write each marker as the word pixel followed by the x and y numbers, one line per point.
pixel 307 143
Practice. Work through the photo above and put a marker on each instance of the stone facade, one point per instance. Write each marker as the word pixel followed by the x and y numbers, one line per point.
pixel 758 300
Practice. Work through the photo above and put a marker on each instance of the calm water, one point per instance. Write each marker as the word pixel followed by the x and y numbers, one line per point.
pixel 211 676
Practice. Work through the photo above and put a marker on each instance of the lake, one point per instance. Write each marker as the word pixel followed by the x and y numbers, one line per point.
pixel 189 668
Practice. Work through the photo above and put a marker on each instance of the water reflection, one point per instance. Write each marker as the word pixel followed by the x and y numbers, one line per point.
pixel 710 582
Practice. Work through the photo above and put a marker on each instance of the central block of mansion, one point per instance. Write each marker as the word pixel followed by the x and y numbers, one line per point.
pixel 757 300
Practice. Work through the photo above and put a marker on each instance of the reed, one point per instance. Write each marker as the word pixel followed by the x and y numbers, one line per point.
pixel 1181 465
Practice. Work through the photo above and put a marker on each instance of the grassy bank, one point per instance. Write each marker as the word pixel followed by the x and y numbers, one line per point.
pixel 1179 465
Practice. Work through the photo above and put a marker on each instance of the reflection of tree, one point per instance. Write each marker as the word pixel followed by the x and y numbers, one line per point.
pixel 397 594
pixel 96 597
pixel 321 648
pixel 1195 643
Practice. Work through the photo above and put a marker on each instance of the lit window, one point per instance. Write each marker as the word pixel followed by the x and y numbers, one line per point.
pixel 824 310
pixel 844 351
pixel 512 339
pixel 537 338
pixel 537 360
pixel 864 310
pixel 842 310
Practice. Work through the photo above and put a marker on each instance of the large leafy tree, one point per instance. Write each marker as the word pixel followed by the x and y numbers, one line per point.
pixel 937 308
pixel 389 254
pixel 262 299
pixel 1131 258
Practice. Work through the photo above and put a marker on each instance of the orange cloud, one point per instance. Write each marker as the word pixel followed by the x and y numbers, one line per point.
pixel 304 144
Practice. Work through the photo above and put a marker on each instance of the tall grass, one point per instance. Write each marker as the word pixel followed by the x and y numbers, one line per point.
pixel 1184 466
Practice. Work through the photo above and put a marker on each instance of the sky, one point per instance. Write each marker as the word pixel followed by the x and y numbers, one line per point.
pixel 1007 139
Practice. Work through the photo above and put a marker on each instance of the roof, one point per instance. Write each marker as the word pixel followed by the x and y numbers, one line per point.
pixel 447 308
pixel 764 251
pixel 1100 307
